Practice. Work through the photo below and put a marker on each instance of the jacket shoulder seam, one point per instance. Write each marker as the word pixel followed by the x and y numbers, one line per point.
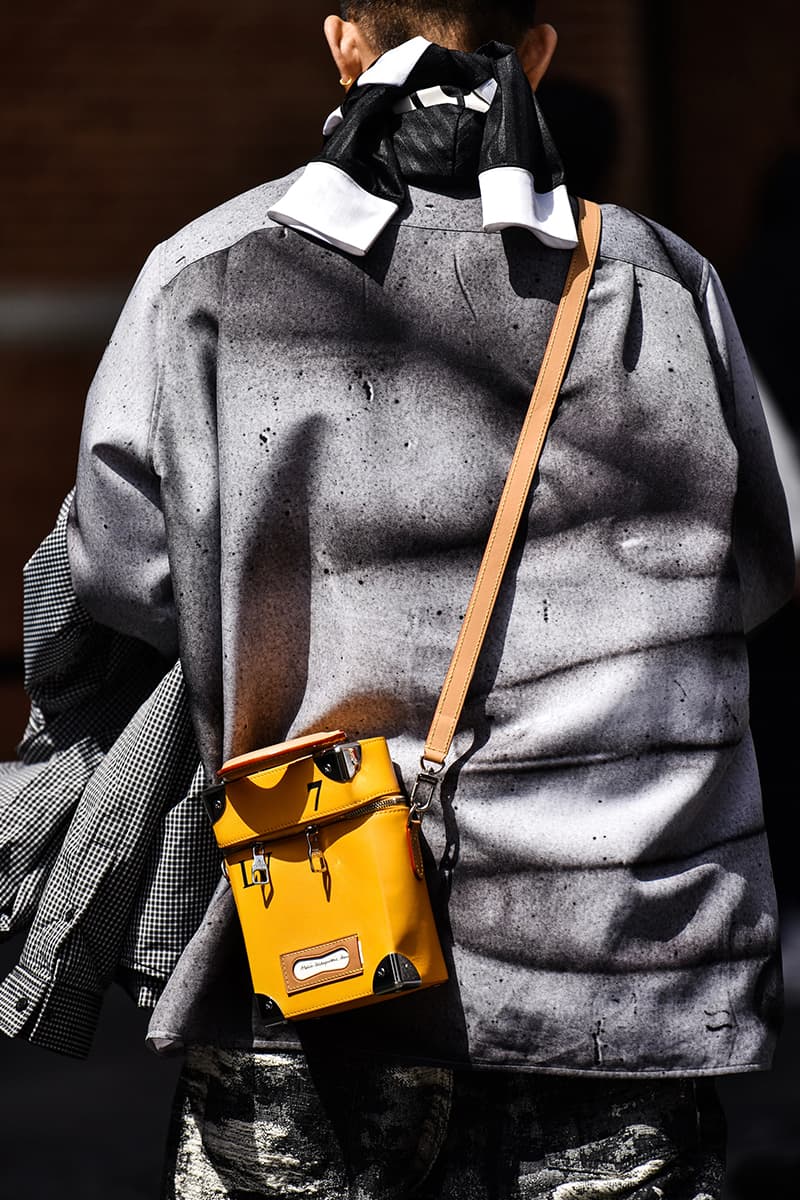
pixel 223 248
pixel 676 278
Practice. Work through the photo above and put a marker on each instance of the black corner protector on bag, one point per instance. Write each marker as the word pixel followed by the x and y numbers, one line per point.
pixel 342 763
pixel 268 1011
pixel 214 800
pixel 395 973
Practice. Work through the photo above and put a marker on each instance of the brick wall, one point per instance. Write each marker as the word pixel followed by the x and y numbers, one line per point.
pixel 601 46
pixel 121 122
pixel 736 97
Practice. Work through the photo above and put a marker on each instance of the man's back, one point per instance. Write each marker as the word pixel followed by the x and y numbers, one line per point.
pixel 328 438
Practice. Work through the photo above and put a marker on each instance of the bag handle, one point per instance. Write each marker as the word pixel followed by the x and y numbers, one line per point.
pixel 512 503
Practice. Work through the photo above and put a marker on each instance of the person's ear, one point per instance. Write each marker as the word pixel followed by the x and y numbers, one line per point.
pixel 350 51
pixel 536 51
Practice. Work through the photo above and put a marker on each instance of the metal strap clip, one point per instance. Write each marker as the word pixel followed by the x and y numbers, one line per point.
pixel 423 792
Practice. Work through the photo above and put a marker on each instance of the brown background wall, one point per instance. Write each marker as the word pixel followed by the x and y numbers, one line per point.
pixel 736 104
pixel 120 123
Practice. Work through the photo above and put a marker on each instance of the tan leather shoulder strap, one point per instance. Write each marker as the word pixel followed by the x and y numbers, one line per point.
pixel 517 487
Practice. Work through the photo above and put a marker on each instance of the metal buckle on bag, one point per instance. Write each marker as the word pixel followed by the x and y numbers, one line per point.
pixel 260 866
pixel 315 856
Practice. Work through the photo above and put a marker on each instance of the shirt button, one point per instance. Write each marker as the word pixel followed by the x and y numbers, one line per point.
pixel 69 914
pixel 22 1004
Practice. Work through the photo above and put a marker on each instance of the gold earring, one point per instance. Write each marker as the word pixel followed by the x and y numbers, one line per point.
pixel 347 83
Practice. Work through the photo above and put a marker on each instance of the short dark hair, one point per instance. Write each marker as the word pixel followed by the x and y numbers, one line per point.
pixel 387 23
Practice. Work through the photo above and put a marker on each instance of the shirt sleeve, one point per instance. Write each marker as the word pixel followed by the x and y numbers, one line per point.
pixel 116 536
pixel 761 534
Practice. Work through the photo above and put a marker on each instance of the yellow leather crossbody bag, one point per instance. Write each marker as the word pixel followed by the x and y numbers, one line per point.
pixel 320 844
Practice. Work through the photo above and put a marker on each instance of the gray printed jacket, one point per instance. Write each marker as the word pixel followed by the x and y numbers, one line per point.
pixel 289 465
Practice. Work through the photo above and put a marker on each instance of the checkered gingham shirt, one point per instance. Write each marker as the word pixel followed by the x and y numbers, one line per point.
pixel 106 854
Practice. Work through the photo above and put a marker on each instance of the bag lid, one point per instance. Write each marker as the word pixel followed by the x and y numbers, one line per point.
pixel 282 752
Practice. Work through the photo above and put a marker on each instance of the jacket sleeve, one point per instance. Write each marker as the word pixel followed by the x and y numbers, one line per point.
pixel 761 535
pixel 85 683
pixel 116 536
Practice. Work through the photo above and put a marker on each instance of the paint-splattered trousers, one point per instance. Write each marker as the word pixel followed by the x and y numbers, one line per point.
pixel 248 1125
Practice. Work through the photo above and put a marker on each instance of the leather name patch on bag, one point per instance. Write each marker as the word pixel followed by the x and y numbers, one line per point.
pixel 317 965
